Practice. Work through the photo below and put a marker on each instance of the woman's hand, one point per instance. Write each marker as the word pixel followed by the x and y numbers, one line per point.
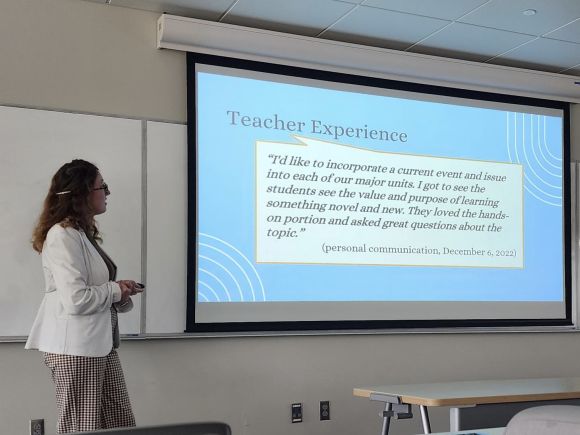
pixel 129 288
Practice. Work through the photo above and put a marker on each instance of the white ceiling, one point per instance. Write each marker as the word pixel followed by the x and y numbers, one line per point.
pixel 490 31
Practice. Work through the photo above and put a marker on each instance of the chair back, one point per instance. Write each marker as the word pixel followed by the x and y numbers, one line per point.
pixel 204 428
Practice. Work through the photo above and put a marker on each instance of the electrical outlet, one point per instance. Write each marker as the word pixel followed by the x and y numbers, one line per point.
pixel 324 410
pixel 37 426
pixel 296 412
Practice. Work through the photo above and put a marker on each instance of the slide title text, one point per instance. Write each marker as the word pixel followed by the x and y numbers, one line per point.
pixel 313 126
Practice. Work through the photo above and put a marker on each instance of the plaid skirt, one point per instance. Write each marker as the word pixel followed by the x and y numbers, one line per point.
pixel 90 392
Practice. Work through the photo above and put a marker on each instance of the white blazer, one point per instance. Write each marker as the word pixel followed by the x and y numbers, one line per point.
pixel 74 317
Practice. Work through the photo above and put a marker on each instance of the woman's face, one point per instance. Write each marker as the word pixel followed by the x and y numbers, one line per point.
pixel 98 197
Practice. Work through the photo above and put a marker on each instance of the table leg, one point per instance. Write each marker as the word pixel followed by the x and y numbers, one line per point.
pixel 454 420
pixel 425 419
pixel 386 419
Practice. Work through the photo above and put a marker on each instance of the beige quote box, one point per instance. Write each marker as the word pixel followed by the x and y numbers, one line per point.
pixel 320 202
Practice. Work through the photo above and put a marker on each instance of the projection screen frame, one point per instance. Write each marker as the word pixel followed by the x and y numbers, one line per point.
pixel 370 325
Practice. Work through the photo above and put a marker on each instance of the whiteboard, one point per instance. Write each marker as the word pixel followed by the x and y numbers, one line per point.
pixel 35 143
pixel 166 263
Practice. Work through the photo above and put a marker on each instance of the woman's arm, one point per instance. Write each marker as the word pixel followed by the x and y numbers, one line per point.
pixel 63 249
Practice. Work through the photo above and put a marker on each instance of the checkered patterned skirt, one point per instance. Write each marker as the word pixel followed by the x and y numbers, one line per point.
pixel 90 392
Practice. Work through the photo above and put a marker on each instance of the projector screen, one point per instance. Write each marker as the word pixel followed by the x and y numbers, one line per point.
pixel 320 200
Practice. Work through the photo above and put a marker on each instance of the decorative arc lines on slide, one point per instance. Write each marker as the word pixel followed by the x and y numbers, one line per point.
pixel 238 266
pixel 201 295
pixel 559 159
pixel 225 270
pixel 227 266
pixel 212 291
pixel 529 163
pixel 207 272
pixel 541 145
pixel 522 139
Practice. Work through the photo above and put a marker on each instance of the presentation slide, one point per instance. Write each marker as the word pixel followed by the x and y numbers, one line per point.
pixel 318 200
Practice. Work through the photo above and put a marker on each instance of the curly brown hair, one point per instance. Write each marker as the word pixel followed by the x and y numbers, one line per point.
pixel 67 202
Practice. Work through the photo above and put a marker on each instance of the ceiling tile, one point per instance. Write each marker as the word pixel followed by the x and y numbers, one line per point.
pixel 465 41
pixel 542 54
pixel 444 9
pixel 398 24
pixel 507 15
pixel 295 16
pixel 570 32
pixel 379 27
pixel 202 9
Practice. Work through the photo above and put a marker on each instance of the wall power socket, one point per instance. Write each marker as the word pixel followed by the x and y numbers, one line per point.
pixel 37 426
pixel 296 409
pixel 324 410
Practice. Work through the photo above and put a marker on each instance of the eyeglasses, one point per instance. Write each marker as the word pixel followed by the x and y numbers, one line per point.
pixel 104 187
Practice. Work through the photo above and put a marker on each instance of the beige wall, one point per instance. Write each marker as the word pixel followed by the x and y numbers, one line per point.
pixel 250 382
pixel 88 57
pixel 73 55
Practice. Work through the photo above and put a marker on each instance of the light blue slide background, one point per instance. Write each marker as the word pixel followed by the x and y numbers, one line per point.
pixel 225 193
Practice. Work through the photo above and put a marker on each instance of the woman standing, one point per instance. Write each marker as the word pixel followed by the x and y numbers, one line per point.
pixel 76 326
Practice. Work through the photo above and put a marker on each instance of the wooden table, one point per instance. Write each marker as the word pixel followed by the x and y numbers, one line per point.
pixel 399 398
